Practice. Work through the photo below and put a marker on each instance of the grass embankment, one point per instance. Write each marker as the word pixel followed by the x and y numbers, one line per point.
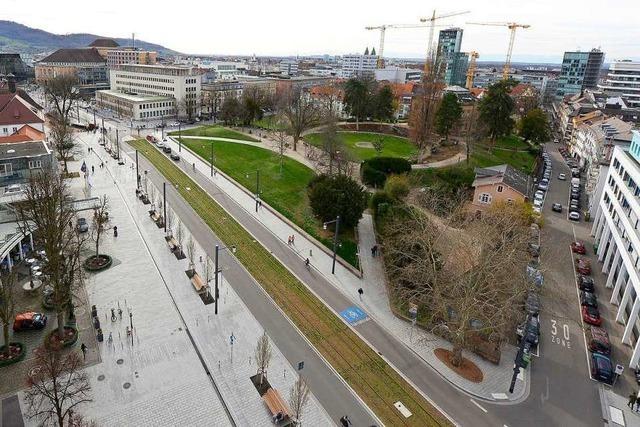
pixel 360 144
pixel 365 371
pixel 287 193
pixel 214 131
pixel 510 150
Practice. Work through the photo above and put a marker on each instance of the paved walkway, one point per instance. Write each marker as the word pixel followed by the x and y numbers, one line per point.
pixel 615 410
pixel 375 300
pixel 179 343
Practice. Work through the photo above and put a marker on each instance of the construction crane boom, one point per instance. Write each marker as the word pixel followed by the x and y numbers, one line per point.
pixel 512 26
pixel 383 29
pixel 431 20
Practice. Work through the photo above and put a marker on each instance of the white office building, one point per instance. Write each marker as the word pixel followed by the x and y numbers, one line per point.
pixel 616 229
pixel 623 80
pixel 289 67
pixel 154 87
pixel 398 75
pixel 356 65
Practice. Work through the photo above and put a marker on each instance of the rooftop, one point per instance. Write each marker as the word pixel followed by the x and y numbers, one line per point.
pixel 23 149
pixel 16 110
pixel 506 174
pixel 104 43
pixel 134 97
pixel 74 55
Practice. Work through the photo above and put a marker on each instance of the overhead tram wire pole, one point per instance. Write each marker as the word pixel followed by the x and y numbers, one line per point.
pixel 257 187
pixel 217 270
pixel 137 172
pixel 164 205
pixel 335 240
pixel 211 160
pixel 180 137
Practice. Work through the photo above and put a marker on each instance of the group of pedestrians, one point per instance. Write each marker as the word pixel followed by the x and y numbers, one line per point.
pixel 634 402
pixel 291 240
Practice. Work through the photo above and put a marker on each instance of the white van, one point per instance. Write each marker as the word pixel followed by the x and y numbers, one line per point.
pixel 575 181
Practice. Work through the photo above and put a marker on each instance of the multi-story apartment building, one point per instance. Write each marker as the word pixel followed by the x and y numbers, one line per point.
pixel 355 65
pixel 103 46
pixel 580 70
pixel 623 80
pixel 616 229
pixel 455 62
pixel 153 91
pixel 398 75
pixel 117 57
pixel 289 67
pixel 214 94
pixel 85 64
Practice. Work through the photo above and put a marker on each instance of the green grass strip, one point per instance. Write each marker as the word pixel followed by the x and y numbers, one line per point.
pixel 377 383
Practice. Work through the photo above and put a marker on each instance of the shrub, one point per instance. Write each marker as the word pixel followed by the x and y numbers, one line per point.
pixel 375 171
pixel 330 196
pixel 377 201
pixel 397 187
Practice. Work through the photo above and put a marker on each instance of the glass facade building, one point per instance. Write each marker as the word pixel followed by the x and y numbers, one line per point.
pixel 580 70
pixel 455 63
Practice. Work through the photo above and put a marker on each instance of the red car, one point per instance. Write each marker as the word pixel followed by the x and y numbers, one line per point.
pixel 578 248
pixel 29 320
pixel 591 315
pixel 583 266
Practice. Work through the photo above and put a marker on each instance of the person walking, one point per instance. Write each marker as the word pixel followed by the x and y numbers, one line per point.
pixel 345 421
pixel 115 231
pixel 637 403
pixel 632 400
pixel 93 169
pixel 293 239
pixel 360 292
pixel 83 348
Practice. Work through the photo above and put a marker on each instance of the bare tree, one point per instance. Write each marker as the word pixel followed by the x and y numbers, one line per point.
pixel 191 252
pixel 280 139
pixel 57 385
pixel 169 221
pixel 378 144
pixel 47 207
pixel 298 398
pixel 263 355
pixel 7 307
pixel 468 273
pixel 62 93
pixel 152 195
pixel 425 104
pixel 61 134
pixel 473 129
pixel 332 157
pixel 100 221
pixel 301 113
pixel 180 234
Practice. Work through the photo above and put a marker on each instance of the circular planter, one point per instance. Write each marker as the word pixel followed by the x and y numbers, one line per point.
pixel 18 351
pixel 47 303
pixel 97 262
pixel 70 336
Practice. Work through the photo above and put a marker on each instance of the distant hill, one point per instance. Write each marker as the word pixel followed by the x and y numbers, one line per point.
pixel 18 38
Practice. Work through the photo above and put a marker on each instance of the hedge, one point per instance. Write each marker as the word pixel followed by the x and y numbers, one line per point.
pixel 375 171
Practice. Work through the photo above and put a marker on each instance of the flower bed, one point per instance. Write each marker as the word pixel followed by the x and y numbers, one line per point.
pixel 70 337
pixel 17 352
pixel 98 262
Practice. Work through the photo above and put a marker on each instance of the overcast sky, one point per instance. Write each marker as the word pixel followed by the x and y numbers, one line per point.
pixel 290 27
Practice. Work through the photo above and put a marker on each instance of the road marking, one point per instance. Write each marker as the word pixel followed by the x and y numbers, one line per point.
pixel 478 405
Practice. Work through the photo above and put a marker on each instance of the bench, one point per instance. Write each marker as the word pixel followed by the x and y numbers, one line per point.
pixel 278 407
pixel 173 244
pixel 198 284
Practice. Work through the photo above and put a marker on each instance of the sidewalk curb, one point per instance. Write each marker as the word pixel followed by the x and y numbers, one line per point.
pixel 313 240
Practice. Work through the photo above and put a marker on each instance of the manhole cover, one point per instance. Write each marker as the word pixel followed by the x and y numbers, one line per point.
pixel 126 385
pixel 120 361
pixel 100 377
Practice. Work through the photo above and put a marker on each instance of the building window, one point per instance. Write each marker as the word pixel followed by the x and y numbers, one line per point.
pixel 6 169
pixel 500 188
pixel 485 198
pixel 35 164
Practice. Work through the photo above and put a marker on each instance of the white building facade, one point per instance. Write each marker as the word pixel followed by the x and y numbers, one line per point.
pixel 623 80
pixel 398 75
pixel 156 83
pixel 616 230
pixel 356 65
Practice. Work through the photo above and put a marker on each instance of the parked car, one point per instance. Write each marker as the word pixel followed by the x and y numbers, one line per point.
pixel 556 207
pixel 578 248
pixel 82 226
pixel 529 330
pixel 532 304
pixel 175 156
pixel 29 320
pixel 160 145
pixel 537 202
pixel 534 249
pixel 543 186
pixel 601 368
pixel 535 276
pixel 583 266
pixel 587 298
pixel 539 194
pixel 574 216
pixel 167 149
pixel 598 340
pixel 575 195
pixel 585 283
pixel 591 315
pixel 562 177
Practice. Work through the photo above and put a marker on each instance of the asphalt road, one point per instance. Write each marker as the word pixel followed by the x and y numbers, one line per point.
pixel 561 392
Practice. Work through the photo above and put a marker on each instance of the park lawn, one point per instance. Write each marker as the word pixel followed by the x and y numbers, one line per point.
pixel 286 193
pixel 522 160
pixel 375 382
pixel 214 131
pixel 393 146
pixel 268 122
pixel 512 142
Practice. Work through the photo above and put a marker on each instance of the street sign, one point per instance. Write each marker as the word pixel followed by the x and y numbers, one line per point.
pixel 353 315
pixel 300 365
pixel 619 369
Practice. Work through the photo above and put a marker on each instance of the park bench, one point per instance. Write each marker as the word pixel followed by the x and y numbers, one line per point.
pixel 173 244
pixel 278 407
pixel 198 284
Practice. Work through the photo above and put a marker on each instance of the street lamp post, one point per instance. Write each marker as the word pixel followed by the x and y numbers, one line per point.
pixel 211 162
pixel 216 271
pixel 164 205
pixel 335 240
pixel 180 137
pixel 257 187
pixel 137 172
pixel 131 325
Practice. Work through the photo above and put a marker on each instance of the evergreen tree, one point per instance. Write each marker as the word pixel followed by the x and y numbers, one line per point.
pixel 448 114
pixel 384 104
pixel 356 98
pixel 496 108
pixel 534 126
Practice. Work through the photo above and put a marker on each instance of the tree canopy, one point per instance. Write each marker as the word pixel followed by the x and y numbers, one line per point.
pixel 496 108
pixel 534 126
pixel 448 114
pixel 333 195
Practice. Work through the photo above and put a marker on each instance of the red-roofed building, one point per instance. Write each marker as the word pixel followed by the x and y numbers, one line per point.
pixel 16 112
pixel 330 98
pixel 25 134
pixel 403 94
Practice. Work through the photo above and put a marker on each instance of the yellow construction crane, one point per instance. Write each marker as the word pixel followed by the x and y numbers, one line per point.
pixel 432 20
pixel 473 55
pixel 513 26
pixel 383 29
